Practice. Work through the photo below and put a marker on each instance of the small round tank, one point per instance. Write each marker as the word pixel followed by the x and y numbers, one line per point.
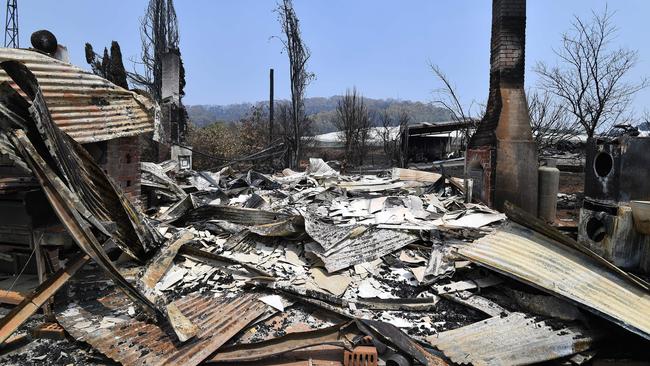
pixel 43 40
pixel 549 182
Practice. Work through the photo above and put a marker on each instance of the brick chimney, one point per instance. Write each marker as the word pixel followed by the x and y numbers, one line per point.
pixel 501 155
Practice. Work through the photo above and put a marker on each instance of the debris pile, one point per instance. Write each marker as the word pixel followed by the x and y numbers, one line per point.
pixel 309 267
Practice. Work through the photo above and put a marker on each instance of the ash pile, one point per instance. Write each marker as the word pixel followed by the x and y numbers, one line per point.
pixel 302 268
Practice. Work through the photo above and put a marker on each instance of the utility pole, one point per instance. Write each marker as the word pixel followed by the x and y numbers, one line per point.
pixel 270 106
pixel 11 25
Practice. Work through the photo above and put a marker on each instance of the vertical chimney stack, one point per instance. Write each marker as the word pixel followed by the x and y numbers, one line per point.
pixel 502 157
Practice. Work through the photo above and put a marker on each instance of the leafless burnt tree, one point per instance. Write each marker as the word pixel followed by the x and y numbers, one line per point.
pixel 353 122
pixel 393 133
pixel 158 34
pixel 299 77
pixel 447 98
pixel 590 79
pixel 551 123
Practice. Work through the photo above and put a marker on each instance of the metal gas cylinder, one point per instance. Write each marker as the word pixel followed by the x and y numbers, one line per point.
pixel 549 183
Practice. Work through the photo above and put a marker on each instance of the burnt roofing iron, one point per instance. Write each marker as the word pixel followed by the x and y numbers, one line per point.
pixel 134 342
pixel 532 258
pixel 86 106
pixel 515 339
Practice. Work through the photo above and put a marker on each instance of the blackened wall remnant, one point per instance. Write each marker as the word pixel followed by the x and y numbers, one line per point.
pixel 509 166
pixel 174 117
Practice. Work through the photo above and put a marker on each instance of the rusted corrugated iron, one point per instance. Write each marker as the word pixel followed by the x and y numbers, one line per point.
pixel 535 259
pixel 134 342
pixel 86 106
pixel 516 339
pixel 99 200
pixel 521 217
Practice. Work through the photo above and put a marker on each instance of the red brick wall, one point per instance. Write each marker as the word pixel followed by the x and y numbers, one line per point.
pixel 123 165
pixel 507 46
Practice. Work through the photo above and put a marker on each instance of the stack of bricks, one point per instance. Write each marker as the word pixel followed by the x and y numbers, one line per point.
pixel 123 165
pixel 508 41
pixel 507 46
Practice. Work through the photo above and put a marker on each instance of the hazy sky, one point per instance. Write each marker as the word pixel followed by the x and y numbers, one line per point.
pixel 382 47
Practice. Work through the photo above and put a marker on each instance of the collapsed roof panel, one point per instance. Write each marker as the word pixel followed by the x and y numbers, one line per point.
pixel 105 324
pixel 539 261
pixel 86 106
pixel 516 339
pixel 102 201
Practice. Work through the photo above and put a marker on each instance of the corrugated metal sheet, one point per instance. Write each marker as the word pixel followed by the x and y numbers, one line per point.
pixel 87 107
pixel 341 247
pixel 516 339
pixel 541 262
pixel 133 342
pixel 97 198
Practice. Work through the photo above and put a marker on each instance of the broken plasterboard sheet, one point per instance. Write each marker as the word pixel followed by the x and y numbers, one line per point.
pixel 393 215
pixel 418 273
pixel 291 256
pixel 335 284
pixel 371 289
pixel 274 301
pixel 467 285
pixel 173 276
pixel 408 256
pixel 475 220
pixel 364 269
pixel 319 169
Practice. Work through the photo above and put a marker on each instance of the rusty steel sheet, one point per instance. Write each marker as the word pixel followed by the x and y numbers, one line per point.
pixel 99 199
pixel 86 106
pixel 521 217
pixel 516 339
pixel 532 258
pixel 63 203
pixel 134 342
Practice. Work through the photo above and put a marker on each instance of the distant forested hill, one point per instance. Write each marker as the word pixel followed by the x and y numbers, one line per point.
pixel 321 110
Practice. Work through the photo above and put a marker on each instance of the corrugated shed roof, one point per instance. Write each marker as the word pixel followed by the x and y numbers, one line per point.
pixel 541 262
pixel 134 342
pixel 86 106
pixel 516 339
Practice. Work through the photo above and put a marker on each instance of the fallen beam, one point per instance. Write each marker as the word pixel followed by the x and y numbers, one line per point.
pixel 333 336
pixel 18 315
pixel 63 204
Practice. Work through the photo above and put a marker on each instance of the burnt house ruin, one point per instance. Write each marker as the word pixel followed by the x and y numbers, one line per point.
pixel 103 117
